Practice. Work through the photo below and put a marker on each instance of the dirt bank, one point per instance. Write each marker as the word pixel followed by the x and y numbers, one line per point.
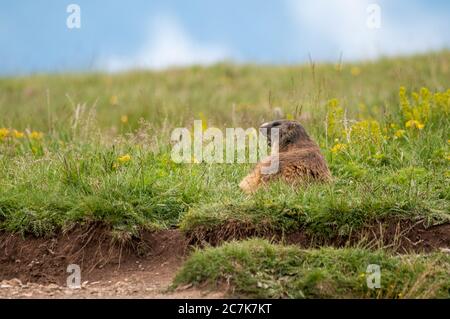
pixel 144 267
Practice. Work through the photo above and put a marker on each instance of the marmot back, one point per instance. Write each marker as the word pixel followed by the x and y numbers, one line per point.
pixel 300 159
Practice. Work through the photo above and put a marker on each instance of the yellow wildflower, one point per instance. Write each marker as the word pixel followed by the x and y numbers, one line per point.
pixel 252 135
pixel 338 147
pixel 367 131
pixel 414 124
pixel 113 100
pixel 4 132
pixel 289 116
pixel 204 121
pixel 355 71
pixel 36 135
pixel 399 134
pixel 18 134
pixel 124 159
pixel 124 119
pixel 420 106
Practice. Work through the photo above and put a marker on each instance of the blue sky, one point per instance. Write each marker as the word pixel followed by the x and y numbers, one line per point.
pixel 118 35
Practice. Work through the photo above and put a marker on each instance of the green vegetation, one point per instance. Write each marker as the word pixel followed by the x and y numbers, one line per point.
pixel 87 148
pixel 327 211
pixel 102 164
pixel 258 269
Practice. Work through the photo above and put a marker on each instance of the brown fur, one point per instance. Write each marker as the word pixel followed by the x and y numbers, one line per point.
pixel 300 160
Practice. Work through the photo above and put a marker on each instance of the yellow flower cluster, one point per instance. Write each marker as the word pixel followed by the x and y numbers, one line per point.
pixel 36 135
pixel 414 124
pixel 399 134
pixel 124 159
pixel 4 133
pixel 370 135
pixel 204 120
pixel 338 148
pixel 124 119
pixel 355 71
pixel 419 110
pixel 15 134
pixel 423 105
pixel 442 102
pixel 367 131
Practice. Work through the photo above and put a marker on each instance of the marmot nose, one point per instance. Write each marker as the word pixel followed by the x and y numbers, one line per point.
pixel 265 125
pixel 264 128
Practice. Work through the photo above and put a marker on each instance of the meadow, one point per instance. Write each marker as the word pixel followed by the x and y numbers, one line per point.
pixel 77 149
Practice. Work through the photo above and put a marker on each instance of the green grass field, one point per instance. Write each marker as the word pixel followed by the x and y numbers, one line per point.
pixel 96 148
pixel 258 269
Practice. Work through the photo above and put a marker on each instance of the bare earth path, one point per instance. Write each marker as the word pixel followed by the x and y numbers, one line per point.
pixel 43 274
pixel 144 280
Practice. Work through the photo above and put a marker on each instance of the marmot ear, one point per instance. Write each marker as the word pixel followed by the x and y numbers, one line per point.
pixel 291 125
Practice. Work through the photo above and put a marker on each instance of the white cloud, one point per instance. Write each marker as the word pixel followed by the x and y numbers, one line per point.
pixel 341 25
pixel 168 45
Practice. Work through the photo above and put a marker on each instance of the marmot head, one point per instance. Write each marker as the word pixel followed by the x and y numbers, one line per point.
pixel 291 134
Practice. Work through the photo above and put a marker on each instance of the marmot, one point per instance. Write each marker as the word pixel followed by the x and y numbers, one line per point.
pixel 300 160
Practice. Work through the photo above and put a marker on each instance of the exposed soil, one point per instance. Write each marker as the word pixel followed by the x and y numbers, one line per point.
pixel 138 268
pixel 401 236
pixel 144 267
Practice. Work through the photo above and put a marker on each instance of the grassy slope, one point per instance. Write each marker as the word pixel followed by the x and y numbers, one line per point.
pixel 256 268
pixel 178 96
pixel 72 174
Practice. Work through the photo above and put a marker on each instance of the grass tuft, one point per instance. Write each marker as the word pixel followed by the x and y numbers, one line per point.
pixel 257 269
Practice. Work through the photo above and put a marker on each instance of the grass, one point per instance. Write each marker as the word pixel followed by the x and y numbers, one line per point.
pixel 257 269
pixel 65 190
pixel 175 97
pixel 83 148
pixel 72 171
pixel 327 211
